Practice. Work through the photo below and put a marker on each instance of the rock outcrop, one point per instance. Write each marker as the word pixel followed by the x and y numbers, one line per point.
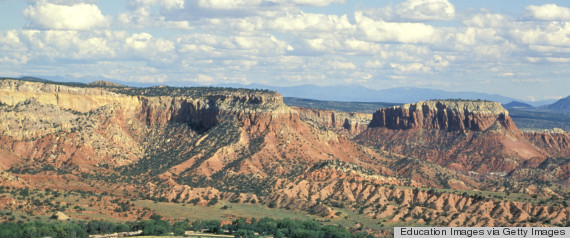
pixel 60 216
pixel 462 135
pixel 556 144
pixel 346 123
pixel 454 115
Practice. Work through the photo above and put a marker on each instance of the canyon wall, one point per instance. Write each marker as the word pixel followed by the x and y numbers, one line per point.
pixel 455 115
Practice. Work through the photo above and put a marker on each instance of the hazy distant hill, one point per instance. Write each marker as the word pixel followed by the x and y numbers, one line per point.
pixel 561 105
pixel 517 104
pixel 344 93
pixel 354 93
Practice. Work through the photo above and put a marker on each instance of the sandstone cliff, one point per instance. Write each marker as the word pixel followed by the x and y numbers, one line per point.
pixel 345 123
pixel 462 135
pixel 456 115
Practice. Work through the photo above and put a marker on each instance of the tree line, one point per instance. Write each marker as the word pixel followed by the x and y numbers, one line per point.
pixel 156 226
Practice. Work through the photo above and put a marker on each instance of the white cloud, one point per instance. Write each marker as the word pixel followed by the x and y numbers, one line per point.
pixel 10 40
pixel 549 12
pixel 374 64
pixel 342 65
pixel 426 10
pixel 552 34
pixel 167 4
pixel 66 45
pixel 172 4
pixel 556 60
pixel 232 47
pixel 228 4
pixel 482 20
pixel 414 10
pixel 310 22
pixel 81 16
pixel 530 80
pixel 146 44
pixel 381 31
pixel 468 37
pixel 323 44
pixel 141 16
pixel 549 49
pixel 319 3
pixel 438 62
pixel 413 67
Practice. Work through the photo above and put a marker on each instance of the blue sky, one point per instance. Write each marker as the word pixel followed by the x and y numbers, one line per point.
pixel 519 49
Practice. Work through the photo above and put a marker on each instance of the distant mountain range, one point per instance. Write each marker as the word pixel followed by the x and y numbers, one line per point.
pixel 343 93
pixel 561 105
pixel 517 104
pixel 354 93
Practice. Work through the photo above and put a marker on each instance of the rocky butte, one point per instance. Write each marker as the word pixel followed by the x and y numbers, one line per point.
pixel 448 115
pixel 464 135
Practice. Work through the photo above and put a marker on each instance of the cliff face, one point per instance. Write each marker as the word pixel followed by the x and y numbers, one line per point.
pixel 348 124
pixel 444 115
pixel 461 135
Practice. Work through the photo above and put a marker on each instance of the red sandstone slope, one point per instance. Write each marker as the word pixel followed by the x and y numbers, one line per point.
pixel 463 135
pixel 556 144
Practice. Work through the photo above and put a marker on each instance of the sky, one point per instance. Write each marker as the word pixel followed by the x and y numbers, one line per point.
pixel 515 48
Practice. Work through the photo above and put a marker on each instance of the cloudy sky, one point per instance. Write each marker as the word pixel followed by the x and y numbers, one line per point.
pixel 517 48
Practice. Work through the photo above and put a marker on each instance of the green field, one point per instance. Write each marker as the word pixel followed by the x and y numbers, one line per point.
pixel 234 210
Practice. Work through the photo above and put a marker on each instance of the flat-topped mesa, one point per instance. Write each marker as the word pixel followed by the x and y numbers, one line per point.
pixel 449 115
pixel 86 97
pixel 200 107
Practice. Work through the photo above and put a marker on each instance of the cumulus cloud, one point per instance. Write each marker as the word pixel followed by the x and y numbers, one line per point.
pixel 553 34
pixel 482 20
pixel 310 22
pixel 54 44
pixel 231 47
pixel 342 65
pixel 319 3
pixel 81 16
pixel 381 31
pixel 228 4
pixel 145 13
pixel 283 41
pixel 167 4
pixel 415 10
pixel 426 10
pixel 144 44
pixel 9 40
pixel 548 12
pixel 374 64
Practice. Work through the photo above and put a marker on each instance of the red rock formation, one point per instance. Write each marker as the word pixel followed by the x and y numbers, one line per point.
pixel 444 115
pixel 556 144
pixel 462 135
